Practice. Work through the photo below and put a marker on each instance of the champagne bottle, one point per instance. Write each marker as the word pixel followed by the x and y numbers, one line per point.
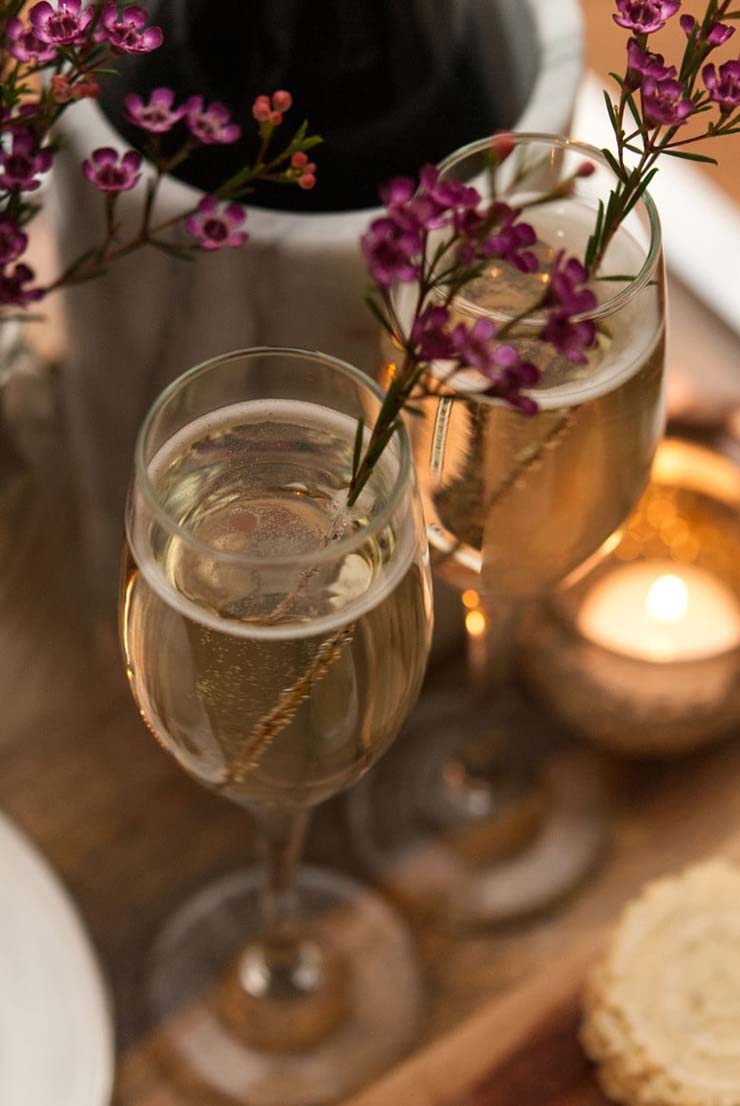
pixel 390 84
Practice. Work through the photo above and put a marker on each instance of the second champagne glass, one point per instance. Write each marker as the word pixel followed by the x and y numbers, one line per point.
pixel 513 505
pixel 274 641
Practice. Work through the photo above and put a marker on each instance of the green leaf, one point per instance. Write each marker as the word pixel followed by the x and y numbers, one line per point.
pixel 611 112
pixel 633 110
pixel 619 278
pixel 687 155
pixel 311 141
pixel 639 191
pixel 616 167
pixel 595 238
pixel 618 78
pixel 379 314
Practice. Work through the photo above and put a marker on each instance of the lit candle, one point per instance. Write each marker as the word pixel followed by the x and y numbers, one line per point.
pixel 661 611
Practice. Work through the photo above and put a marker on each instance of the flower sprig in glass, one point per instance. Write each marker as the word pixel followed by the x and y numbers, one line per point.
pixel 56 57
pixel 439 236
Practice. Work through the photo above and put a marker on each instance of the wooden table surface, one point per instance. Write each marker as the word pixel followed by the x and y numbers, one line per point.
pixel 131 835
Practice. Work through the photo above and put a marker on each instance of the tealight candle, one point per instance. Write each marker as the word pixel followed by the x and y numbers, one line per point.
pixel 660 611
pixel 640 650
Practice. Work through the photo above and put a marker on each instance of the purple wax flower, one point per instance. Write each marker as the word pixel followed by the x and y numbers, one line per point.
pixel 567 297
pixel 431 336
pixel 25 45
pixel 723 88
pixel 392 246
pixel 19 167
pixel 12 286
pixel 718 33
pixel 210 125
pixel 127 33
pixel 67 25
pixel 665 102
pixel 107 173
pixel 158 116
pixel 473 344
pixel 447 195
pixel 13 241
pixel 508 375
pixel 217 228
pixel 397 191
pixel 642 63
pixel 510 239
pixel 643 17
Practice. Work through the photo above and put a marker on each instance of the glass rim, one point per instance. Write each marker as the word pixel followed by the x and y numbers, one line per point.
pixel 613 303
pixel 331 551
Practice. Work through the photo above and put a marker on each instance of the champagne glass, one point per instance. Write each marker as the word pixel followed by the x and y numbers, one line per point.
pixel 513 505
pixel 274 641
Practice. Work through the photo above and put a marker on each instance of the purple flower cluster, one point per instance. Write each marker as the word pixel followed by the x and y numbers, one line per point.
pixel 716 35
pixel 66 25
pixel 127 33
pixel 665 102
pixel 394 244
pixel 216 228
pixel 13 286
pixel 723 87
pixel 111 173
pixel 433 339
pixel 644 17
pixel 642 63
pixel 20 166
pixel 567 299
pixel 13 241
pixel 209 126
pixel 69 24
pixel 158 116
pixel 664 97
pixel 26 46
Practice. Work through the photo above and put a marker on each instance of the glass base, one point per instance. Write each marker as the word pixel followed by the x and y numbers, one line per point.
pixel 480 815
pixel 346 1012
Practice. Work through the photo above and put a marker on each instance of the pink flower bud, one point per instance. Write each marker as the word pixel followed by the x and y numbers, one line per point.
pixel 299 159
pixel 261 109
pixel 275 118
pixel 61 89
pixel 85 89
pixel 306 181
pixel 282 100
pixel 586 169
pixel 502 145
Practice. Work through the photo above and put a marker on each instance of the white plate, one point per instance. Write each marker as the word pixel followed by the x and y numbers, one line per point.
pixel 56 1036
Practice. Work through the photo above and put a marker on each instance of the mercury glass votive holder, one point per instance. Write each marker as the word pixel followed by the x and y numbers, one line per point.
pixel 639 650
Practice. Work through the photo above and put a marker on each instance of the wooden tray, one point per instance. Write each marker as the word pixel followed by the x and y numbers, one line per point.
pixel 522 1050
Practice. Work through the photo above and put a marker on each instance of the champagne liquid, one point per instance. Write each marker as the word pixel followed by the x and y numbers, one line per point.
pixel 271 681
pixel 522 500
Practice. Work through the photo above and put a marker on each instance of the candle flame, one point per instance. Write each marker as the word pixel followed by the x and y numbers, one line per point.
pixel 668 599
pixel 475 623
pixel 470 599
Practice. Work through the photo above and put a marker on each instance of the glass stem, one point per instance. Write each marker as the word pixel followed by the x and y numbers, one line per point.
pixel 280 837
pixel 500 642
pixel 489 646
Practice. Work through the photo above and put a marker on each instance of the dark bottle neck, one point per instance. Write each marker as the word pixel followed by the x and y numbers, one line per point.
pixel 390 84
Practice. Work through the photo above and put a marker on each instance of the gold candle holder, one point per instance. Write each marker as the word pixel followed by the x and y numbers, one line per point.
pixel 639 650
